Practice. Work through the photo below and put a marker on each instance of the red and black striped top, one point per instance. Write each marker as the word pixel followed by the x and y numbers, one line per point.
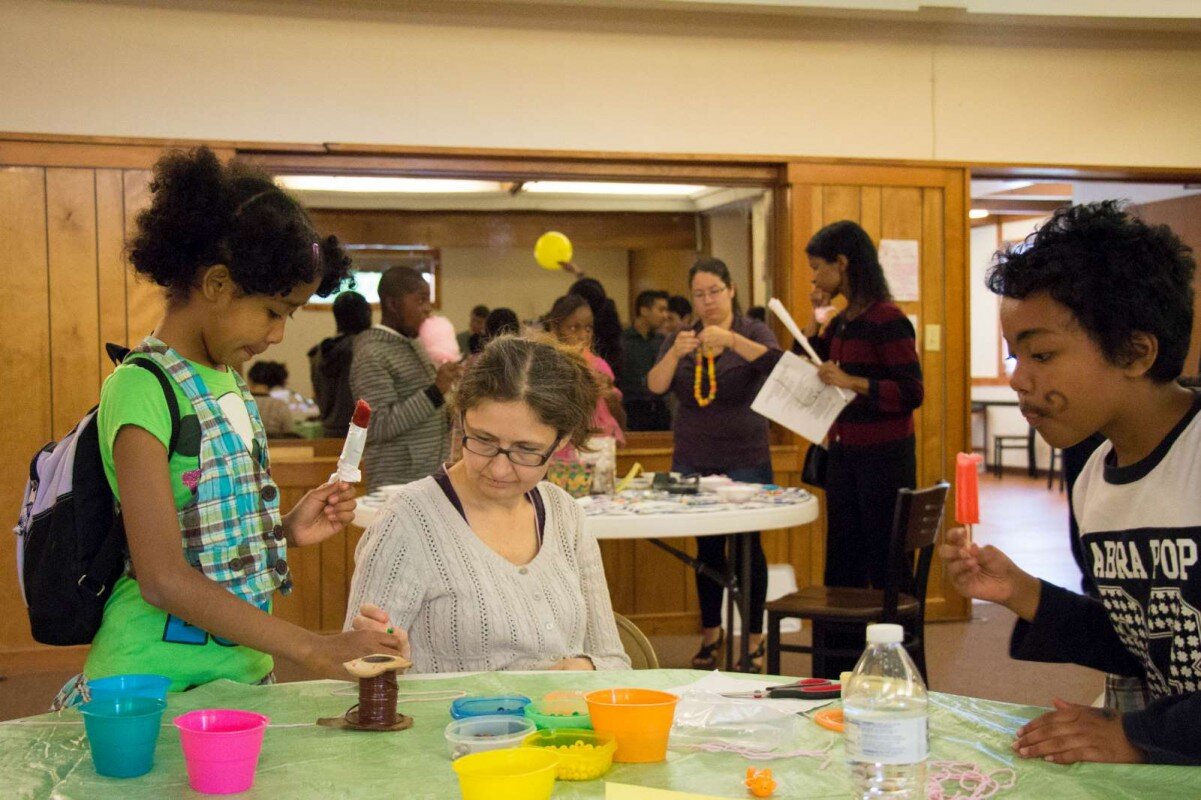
pixel 879 345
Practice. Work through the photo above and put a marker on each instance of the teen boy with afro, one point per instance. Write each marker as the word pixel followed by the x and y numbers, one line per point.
pixel 1097 311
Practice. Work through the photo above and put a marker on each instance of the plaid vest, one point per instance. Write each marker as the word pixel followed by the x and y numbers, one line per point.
pixel 232 531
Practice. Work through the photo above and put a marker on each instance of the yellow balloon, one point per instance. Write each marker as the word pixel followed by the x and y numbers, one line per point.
pixel 552 248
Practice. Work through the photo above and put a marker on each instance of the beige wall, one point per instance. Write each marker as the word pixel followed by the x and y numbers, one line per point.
pixel 729 240
pixel 536 83
pixel 986 331
pixel 470 276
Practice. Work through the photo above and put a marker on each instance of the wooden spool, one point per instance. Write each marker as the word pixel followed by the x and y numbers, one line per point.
pixel 376 709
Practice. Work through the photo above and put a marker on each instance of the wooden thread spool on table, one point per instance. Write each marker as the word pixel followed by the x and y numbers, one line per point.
pixel 376 709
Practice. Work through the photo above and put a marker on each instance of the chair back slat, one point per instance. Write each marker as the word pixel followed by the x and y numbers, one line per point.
pixel 917 520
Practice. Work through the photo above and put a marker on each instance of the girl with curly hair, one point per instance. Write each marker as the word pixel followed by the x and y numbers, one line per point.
pixel 183 444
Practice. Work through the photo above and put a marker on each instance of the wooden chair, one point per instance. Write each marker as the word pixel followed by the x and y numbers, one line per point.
pixel 916 522
pixel 637 646
pixel 1003 442
pixel 1055 468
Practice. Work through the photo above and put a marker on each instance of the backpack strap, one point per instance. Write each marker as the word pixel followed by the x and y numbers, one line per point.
pixel 169 393
pixel 110 554
pixel 120 354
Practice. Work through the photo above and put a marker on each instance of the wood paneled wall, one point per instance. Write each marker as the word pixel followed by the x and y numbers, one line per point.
pixel 926 205
pixel 502 229
pixel 664 270
pixel 67 291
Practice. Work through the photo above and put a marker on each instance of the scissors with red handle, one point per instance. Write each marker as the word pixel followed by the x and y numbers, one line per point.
pixel 804 689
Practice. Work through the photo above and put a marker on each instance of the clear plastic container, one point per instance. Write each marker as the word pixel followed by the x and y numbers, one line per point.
pixel 479 734
pixel 884 705
pixel 584 755
pixel 488 706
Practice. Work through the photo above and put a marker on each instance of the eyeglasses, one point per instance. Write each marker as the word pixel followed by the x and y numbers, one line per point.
pixel 712 294
pixel 522 458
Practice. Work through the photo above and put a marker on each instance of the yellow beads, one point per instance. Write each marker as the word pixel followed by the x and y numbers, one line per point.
pixel 583 755
pixel 579 769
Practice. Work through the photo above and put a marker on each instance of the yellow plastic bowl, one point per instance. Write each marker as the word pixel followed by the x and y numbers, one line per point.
pixel 640 720
pixel 522 773
pixel 584 755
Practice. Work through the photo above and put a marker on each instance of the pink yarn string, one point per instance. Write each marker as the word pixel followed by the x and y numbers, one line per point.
pixel 967 781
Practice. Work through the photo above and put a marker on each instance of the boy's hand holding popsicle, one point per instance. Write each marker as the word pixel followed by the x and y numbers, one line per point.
pixel 983 573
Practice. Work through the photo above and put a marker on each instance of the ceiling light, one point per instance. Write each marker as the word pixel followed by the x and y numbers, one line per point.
pixel 381 185
pixel 627 189
pixel 977 213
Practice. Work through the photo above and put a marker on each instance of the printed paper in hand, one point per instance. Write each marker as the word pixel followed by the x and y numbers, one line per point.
pixel 797 399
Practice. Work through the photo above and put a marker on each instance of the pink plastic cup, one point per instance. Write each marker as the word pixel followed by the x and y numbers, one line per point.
pixel 221 748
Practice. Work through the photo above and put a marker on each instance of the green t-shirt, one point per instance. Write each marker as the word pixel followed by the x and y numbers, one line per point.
pixel 136 637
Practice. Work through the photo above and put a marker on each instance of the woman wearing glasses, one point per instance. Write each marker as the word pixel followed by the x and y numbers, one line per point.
pixel 715 370
pixel 485 565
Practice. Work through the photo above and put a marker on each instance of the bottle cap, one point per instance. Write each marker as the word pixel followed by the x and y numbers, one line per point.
pixel 885 633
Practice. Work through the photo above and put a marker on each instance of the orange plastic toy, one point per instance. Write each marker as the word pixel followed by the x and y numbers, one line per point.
pixel 759 782
pixel 831 719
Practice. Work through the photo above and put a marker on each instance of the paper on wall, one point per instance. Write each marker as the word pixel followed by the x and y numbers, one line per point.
pixel 797 399
pixel 899 259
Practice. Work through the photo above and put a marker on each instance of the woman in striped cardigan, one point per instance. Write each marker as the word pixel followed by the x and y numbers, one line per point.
pixel 868 348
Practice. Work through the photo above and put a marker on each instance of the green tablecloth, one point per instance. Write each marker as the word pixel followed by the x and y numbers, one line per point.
pixel 47 756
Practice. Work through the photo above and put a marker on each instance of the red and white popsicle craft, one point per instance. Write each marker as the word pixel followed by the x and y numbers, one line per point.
pixel 352 449
pixel 967 490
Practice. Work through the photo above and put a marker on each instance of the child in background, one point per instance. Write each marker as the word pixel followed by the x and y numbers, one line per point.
pixel 1097 309
pixel 262 377
pixel 206 540
pixel 570 321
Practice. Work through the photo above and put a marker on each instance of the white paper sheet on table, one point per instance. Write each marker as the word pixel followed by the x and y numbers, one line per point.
pixel 797 399
pixel 717 684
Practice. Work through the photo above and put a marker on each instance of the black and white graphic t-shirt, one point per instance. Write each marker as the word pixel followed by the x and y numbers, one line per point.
pixel 1141 530
pixel 1140 527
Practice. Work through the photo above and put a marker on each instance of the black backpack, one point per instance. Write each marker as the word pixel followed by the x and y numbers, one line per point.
pixel 70 536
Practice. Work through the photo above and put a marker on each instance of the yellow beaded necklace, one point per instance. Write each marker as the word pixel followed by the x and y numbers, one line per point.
pixel 704 400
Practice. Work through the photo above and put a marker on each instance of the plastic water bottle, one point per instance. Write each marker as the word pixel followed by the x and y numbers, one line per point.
pixel 884 707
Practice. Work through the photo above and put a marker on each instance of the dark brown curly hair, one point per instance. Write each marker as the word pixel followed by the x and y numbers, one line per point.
pixel 204 213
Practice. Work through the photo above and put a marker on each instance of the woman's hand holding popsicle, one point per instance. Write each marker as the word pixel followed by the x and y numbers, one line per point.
pixel 985 573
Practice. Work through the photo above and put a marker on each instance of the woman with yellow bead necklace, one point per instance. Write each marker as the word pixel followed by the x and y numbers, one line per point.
pixel 715 370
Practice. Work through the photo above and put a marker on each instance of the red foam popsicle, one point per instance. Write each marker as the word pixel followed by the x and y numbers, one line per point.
pixel 967 488
pixel 362 414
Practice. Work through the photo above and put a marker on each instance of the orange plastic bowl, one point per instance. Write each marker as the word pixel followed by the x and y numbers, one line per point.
pixel 639 719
